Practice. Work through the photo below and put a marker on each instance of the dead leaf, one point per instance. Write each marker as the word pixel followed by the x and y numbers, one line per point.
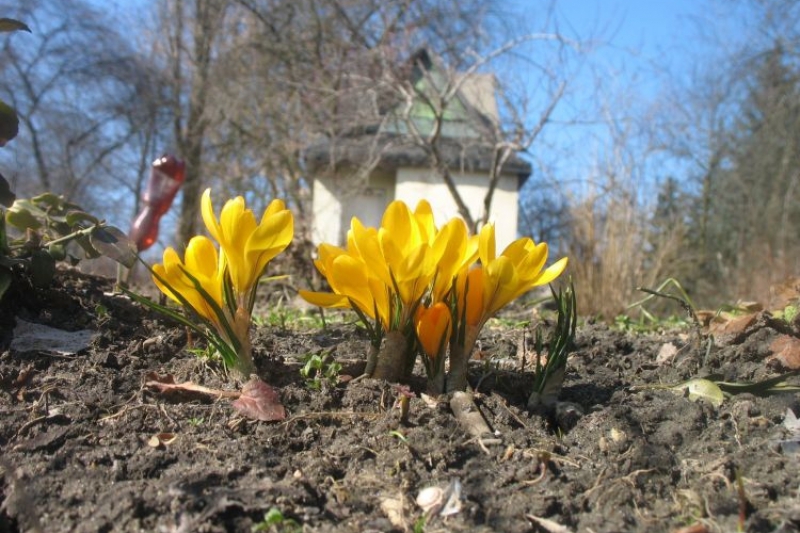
pixel 785 353
pixel 749 307
pixel 184 392
pixel 783 294
pixel 705 316
pixel 730 329
pixel 666 353
pixel 393 509
pixel 161 439
pixel 697 527
pixel 791 445
pixel 549 525
pixel 260 402
pixel 701 389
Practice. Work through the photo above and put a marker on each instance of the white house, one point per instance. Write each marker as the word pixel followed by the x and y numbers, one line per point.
pixel 360 174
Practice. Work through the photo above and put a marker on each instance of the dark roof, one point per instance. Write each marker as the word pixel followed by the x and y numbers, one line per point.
pixel 394 151
pixel 386 140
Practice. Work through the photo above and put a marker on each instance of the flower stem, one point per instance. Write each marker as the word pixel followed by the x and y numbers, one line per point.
pixel 459 357
pixel 244 360
pixel 392 364
pixel 436 384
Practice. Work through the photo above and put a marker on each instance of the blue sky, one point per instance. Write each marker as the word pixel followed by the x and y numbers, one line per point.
pixel 639 49
pixel 633 24
pixel 637 28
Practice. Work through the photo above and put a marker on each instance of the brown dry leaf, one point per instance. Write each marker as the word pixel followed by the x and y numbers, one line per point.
pixel 393 509
pixel 549 525
pixel 184 392
pixel 260 402
pixel 785 353
pixel 729 329
pixel 161 439
pixel 783 294
pixel 705 316
pixel 749 307
pixel 697 527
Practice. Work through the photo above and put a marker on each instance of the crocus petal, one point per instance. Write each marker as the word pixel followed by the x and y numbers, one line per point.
pixel 161 272
pixel 247 246
pixel 324 299
pixel 397 221
pixel 326 253
pixel 269 239
pixel 552 272
pixel 201 256
pixel 237 225
pixel 349 278
pixel 532 260
pixel 470 295
pixel 275 206
pixel 367 246
pixel 381 302
pixel 518 249
pixel 424 218
pixel 202 263
pixel 500 284
pixel 486 244
pixel 453 256
pixel 210 219
pixel 176 282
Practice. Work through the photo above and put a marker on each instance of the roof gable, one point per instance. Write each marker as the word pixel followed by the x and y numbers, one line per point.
pixel 466 115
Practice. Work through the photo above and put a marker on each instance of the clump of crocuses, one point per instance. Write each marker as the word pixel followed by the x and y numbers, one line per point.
pixel 417 287
pixel 217 278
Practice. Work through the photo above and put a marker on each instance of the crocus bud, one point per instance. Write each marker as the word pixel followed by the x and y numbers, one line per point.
pixel 433 325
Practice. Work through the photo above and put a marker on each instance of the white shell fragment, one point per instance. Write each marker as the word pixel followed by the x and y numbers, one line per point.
pixel 430 498
pixel 444 502
pixel 791 446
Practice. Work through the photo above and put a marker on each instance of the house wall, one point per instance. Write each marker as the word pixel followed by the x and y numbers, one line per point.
pixel 338 198
pixel 415 184
pixel 334 205
pixel 327 210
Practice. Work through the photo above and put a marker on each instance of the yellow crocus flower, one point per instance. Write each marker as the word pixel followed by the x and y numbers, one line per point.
pixel 351 280
pixel 350 276
pixel 364 242
pixel 202 262
pixel 395 254
pixel 485 289
pixel 247 245
pixel 518 269
pixel 400 232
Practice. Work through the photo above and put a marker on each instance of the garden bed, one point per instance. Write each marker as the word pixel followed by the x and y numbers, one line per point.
pixel 85 446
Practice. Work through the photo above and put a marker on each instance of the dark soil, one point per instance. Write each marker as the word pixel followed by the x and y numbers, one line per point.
pixel 75 430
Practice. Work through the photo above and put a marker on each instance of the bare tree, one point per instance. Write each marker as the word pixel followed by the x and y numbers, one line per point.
pixel 733 128
pixel 253 84
pixel 188 53
pixel 66 79
pixel 500 137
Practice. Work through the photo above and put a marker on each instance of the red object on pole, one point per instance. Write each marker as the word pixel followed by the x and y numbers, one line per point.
pixel 166 177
